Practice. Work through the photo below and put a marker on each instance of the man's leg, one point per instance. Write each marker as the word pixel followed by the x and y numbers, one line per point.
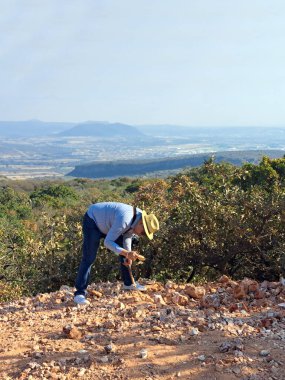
pixel 124 269
pixel 127 280
pixel 91 241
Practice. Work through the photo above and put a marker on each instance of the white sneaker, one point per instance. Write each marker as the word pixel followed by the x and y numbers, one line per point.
pixel 137 286
pixel 282 281
pixel 81 300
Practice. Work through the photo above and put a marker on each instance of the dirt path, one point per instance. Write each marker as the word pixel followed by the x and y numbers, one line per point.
pixel 171 332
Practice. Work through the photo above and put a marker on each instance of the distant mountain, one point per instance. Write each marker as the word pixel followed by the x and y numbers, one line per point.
pixel 37 128
pixel 103 130
pixel 30 128
pixel 122 168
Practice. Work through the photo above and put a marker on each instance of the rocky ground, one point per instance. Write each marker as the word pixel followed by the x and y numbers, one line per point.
pixel 225 330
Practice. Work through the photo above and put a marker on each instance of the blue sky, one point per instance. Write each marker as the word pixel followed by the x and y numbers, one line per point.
pixel 186 62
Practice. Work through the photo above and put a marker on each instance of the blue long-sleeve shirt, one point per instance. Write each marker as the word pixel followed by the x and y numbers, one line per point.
pixel 115 219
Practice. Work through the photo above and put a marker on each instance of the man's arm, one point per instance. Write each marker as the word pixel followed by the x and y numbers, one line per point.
pixel 119 227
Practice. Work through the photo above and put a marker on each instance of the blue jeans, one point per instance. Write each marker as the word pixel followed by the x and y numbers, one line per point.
pixel 91 241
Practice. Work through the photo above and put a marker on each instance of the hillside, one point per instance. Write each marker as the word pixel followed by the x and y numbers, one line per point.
pixel 225 331
pixel 102 129
pixel 119 168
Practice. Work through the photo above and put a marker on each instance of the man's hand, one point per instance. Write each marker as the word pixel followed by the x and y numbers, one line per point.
pixel 133 255
pixel 130 257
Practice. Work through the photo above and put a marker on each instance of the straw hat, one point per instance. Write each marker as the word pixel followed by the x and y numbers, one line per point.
pixel 150 223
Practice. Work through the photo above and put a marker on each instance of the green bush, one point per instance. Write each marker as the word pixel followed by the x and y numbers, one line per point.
pixel 219 219
pixel 215 219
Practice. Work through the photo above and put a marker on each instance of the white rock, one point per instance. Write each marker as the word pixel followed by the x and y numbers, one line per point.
pixel 82 351
pixel 143 353
pixel 194 331
pixel 104 359
pixel 81 372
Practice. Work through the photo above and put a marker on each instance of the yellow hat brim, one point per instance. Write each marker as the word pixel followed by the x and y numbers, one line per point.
pixel 148 234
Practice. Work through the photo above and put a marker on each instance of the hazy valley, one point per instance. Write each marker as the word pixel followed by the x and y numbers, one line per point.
pixel 37 149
